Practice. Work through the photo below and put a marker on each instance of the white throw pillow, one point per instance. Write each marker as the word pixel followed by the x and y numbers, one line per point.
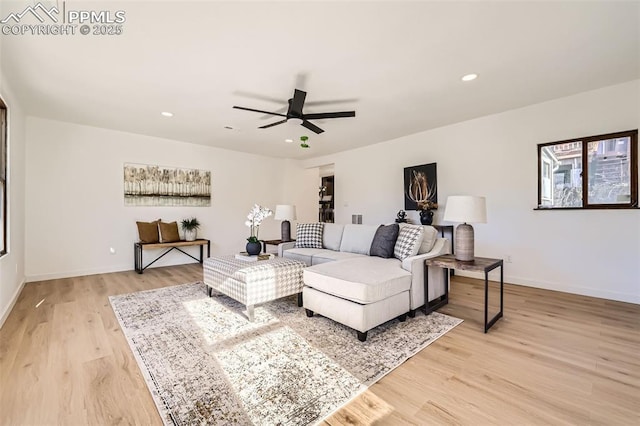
pixel 309 235
pixel 332 236
pixel 428 239
pixel 408 241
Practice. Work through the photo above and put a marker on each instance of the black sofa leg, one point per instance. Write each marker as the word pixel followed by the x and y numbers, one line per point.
pixel 412 313
pixel 309 312
pixel 299 300
pixel 402 317
pixel 362 336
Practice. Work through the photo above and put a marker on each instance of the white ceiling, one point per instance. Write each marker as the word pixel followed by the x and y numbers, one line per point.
pixel 398 64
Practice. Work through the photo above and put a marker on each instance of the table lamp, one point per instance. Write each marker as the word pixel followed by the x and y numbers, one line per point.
pixel 465 208
pixel 285 213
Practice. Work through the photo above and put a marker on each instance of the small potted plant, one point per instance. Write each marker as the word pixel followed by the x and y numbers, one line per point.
pixel 190 228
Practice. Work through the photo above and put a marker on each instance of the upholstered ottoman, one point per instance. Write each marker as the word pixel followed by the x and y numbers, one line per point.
pixel 256 282
pixel 360 293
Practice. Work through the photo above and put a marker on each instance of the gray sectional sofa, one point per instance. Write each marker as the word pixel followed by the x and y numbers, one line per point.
pixel 344 283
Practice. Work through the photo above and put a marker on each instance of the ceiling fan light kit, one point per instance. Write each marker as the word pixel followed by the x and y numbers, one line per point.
pixel 295 115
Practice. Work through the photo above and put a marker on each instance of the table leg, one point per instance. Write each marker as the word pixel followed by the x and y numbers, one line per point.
pixel 250 312
pixel 201 253
pixel 489 323
pixel 486 299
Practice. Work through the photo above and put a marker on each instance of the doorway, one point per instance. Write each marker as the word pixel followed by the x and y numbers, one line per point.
pixel 326 200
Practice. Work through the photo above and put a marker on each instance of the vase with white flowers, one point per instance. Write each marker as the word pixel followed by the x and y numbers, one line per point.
pixel 256 216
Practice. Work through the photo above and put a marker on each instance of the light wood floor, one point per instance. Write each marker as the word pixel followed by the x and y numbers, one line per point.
pixel 553 359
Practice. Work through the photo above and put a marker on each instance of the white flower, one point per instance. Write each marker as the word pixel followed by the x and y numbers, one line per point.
pixel 256 216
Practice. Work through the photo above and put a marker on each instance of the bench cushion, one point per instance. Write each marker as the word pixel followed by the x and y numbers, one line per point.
pixel 363 279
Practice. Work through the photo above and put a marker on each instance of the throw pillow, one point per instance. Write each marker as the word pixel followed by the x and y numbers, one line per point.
pixel 148 232
pixel 428 239
pixel 408 242
pixel 384 241
pixel 309 235
pixel 169 232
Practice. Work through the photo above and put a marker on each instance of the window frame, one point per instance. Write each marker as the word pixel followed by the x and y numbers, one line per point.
pixel 584 175
pixel 4 172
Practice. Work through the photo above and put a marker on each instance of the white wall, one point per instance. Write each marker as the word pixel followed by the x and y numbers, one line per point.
pixel 12 265
pixel 75 207
pixel 591 252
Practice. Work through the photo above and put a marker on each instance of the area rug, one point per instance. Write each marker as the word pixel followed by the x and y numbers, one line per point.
pixel 205 363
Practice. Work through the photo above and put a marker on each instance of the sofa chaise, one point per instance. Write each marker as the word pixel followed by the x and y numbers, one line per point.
pixel 352 281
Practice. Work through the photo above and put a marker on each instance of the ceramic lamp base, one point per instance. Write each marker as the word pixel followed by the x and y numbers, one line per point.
pixel 286 231
pixel 464 243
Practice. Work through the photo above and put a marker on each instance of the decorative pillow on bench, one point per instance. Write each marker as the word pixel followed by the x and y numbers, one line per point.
pixel 148 231
pixel 169 232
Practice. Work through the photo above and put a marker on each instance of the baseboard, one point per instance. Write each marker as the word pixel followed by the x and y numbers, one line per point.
pixel 563 288
pixel 94 271
pixel 78 273
pixel 14 299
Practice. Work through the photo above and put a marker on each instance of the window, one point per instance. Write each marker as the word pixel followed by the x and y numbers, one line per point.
pixel 3 178
pixel 589 173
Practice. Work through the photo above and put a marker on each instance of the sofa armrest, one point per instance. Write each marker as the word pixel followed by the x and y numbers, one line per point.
pixel 441 247
pixel 437 281
pixel 285 246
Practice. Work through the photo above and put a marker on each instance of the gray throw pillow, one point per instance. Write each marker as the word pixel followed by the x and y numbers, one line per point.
pixel 384 241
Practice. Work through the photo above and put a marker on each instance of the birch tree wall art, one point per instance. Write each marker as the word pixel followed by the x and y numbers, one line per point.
pixel 149 185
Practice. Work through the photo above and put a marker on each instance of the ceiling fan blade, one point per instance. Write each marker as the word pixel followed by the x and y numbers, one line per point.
pixel 297 103
pixel 312 127
pixel 322 115
pixel 273 124
pixel 259 110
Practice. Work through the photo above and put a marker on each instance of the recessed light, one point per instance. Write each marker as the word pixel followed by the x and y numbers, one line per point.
pixel 469 77
pixel 167 114
pixel 288 140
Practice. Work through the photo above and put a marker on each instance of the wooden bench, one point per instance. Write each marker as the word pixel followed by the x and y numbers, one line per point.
pixel 138 248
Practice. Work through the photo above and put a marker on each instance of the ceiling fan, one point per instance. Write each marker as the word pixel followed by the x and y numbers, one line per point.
pixel 295 114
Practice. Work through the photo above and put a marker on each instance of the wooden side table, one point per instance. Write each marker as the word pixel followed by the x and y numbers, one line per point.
pixel 479 264
pixel 266 243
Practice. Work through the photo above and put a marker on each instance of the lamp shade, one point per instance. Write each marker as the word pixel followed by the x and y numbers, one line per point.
pixel 285 212
pixel 465 209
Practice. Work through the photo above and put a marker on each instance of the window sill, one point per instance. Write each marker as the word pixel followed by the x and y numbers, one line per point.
pixel 587 208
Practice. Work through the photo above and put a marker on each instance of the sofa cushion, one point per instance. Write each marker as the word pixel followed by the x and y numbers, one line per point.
pixel 302 254
pixel 384 241
pixel 309 235
pixel 331 236
pixel 363 279
pixel 331 256
pixel 408 242
pixel 428 239
pixel 357 238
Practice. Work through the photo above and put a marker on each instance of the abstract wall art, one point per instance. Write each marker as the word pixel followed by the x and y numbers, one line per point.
pixel 421 187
